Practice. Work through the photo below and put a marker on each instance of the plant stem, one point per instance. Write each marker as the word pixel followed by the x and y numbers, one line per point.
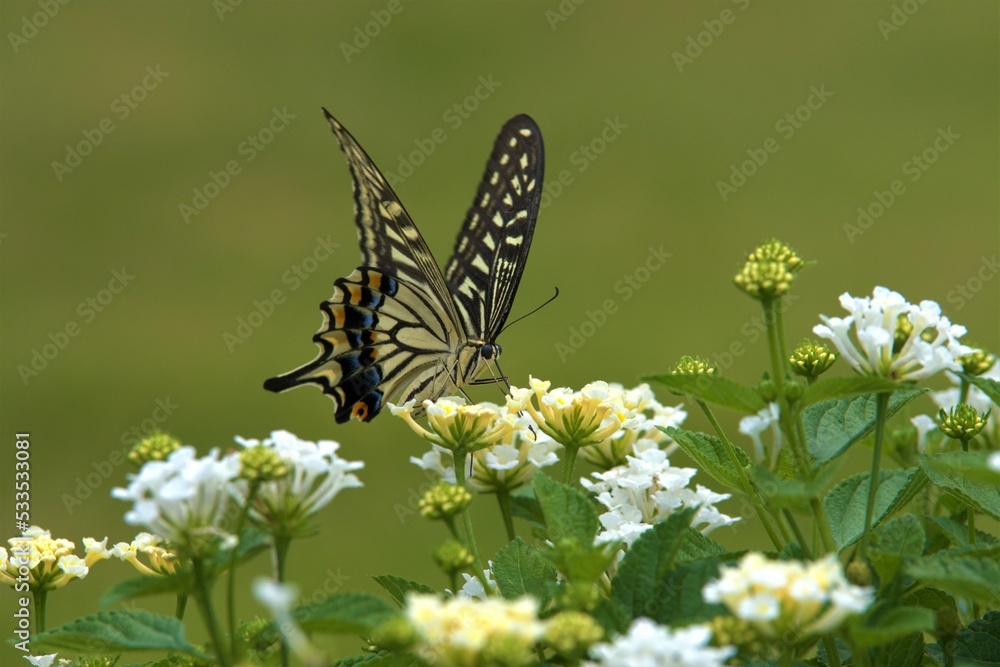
pixel 832 654
pixel 203 596
pixel 820 520
pixel 180 606
pixel 503 499
pixel 39 596
pixel 799 537
pixel 971 513
pixel 881 408
pixel 470 537
pixel 279 559
pixel 231 575
pixel 745 484
pixel 569 463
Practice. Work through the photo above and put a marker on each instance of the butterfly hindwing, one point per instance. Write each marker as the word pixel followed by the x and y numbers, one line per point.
pixel 396 329
pixel 492 246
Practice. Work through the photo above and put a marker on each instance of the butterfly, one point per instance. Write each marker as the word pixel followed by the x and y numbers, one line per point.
pixel 397 328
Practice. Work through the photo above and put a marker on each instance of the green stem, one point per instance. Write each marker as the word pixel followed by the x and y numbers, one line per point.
pixel 832 654
pixel 569 464
pixel 203 596
pixel 470 536
pixel 503 499
pixel 820 520
pixel 745 484
pixel 231 575
pixel 180 605
pixel 40 596
pixel 800 538
pixel 881 410
pixel 279 558
pixel 971 512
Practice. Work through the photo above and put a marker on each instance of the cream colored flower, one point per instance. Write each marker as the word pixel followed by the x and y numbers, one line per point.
pixel 457 425
pixel 51 562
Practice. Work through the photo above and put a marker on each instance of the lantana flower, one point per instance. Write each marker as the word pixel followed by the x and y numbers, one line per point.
pixel 650 417
pixel 316 475
pixel 789 598
pixel 465 632
pixel 457 425
pixel 573 419
pixel 886 336
pixel 161 561
pixel 182 497
pixel 647 644
pixel 646 491
pixel 51 562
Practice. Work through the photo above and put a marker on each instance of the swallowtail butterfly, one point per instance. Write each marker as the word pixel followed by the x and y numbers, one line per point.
pixel 398 328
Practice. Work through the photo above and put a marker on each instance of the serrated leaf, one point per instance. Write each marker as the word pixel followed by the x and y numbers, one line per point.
pixel 789 493
pixel 700 547
pixel 569 513
pixel 398 587
pixel 827 388
pixel 892 624
pixel 965 576
pixel 847 502
pixel 832 426
pixel 712 389
pixel 525 506
pixel 893 542
pixel 349 612
pixel 957 533
pixel 137 587
pixel 931 598
pixel 988 386
pixel 647 560
pixel 110 632
pixel 381 659
pixel 521 569
pixel 906 651
pixel 677 597
pixel 711 455
pixel 975 646
pixel 952 472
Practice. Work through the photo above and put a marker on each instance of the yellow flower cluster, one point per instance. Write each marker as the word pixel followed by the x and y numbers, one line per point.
pixel 161 561
pixel 463 632
pixel 45 563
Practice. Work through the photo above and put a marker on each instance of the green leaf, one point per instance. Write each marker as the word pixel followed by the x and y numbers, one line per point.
pixel 348 612
pixel 525 506
pixel 678 598
pixel 380 659
pixel 931 598
pixel 521 569
pixel 895 541
pixel 882 627
pixel 846 503
pixel 828 388
pixel 252 542
pixel 569 513
pixel 700 547
pixel 965 576
pixel 143 586
pixel 110 632
pixel 958 533
pixel 711 455
pixel 832 426
pixel 976 645
pixel 634 588
pixel 789 493
pixel 398 587
pixel 954 472
pixel 988 386
pixel 712 389
pixel 906 651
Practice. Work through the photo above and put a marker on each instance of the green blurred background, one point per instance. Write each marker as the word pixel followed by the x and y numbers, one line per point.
pixel 577 69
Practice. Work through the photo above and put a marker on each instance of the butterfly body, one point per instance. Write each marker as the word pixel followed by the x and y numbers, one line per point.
pixel 398 328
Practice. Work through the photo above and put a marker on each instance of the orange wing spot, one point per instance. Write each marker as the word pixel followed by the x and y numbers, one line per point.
pixel 338 316
pixel 359 411
pixel 337 338
pixel 354 292
pixel 375 280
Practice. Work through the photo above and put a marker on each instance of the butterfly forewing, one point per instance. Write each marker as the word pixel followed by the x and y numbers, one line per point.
pixel 492 246
pixel 393 330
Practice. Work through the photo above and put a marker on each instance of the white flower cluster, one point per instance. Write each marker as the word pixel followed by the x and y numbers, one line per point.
pixel 893 338
pixel 646 491
pixel 781 597
pixel 317 475
pixel 461 631
pixel 181 495
pixel 754 425
pixel 647 644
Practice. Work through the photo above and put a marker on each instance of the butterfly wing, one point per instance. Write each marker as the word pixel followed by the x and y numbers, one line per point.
pixel 390 325
pixel 492 246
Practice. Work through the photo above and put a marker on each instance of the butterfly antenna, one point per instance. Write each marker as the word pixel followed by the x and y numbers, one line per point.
pixel 547 302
